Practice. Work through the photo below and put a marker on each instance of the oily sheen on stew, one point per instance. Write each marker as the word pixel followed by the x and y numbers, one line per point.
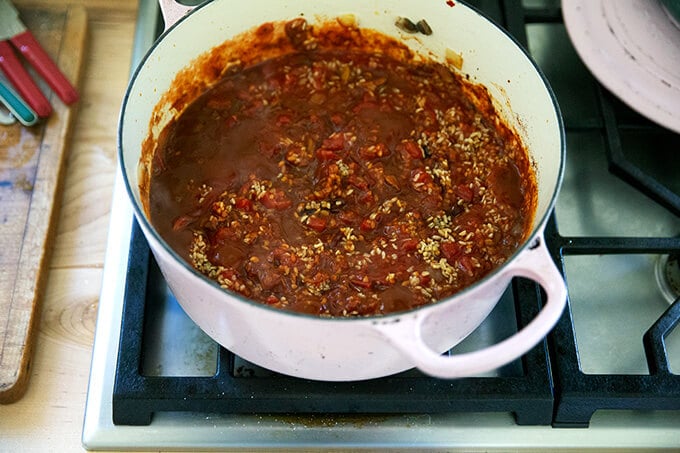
pixel 340 179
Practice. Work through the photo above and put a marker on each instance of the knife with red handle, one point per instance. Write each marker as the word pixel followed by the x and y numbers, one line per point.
pixel 22 81
pixel 13 31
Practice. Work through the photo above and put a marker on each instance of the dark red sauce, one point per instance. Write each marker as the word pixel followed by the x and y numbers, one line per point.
pixel 341 182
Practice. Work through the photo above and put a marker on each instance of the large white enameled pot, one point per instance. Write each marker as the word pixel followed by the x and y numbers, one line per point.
pixel 363 348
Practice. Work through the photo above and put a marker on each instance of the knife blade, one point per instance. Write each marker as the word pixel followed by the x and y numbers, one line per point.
pixel 10 24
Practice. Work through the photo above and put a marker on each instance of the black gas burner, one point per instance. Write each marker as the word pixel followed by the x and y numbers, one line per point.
pixel 580 394
pixel 668 275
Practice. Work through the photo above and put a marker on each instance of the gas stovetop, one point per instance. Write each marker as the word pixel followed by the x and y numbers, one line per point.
pixel 606 377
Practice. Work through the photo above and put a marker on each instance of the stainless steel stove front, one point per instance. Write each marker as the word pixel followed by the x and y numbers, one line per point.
pixel 614 298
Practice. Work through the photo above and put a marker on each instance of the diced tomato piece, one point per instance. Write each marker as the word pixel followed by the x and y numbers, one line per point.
pixel 466 265
pixel 336 141
pixel 469 220
pixel 348 217
pixel 317 223
pixel 223 235
pixel 268 278
pixel 451 250
pixel 275 199
pixel 228 274
pixel 399 234
pixel 358 182
pixel 337 119
pixel 420 179
pixel 326 154
pixel 374 151
pixel 409 244
pixel 411 148
pixel 366 198
pixel 464 192
pixel 361 281
pixel 282 257
pixel 431 115
pixel 429 203
pixel 283 119
pixel 244 204
pixel 368 225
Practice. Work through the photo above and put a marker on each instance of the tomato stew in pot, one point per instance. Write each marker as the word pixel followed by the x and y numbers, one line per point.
pixel 339 178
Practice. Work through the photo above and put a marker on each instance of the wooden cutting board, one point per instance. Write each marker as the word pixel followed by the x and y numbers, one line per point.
pixel 32 163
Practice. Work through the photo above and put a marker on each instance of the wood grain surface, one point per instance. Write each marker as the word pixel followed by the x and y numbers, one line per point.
pixel 31 176
pixel 49 416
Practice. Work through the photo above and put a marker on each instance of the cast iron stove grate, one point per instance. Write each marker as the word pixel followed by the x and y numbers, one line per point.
pixel 579 394
pixel 136 397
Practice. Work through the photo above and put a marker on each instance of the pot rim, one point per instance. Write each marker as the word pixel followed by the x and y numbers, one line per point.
pixel 536 232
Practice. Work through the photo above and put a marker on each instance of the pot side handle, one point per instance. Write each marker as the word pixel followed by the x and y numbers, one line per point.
pixel 173 11
pixel 534 263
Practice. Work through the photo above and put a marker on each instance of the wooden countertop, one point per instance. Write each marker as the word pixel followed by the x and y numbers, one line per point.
pixel 49 417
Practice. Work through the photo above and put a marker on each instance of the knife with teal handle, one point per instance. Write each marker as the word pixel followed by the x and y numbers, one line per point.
pixel 18 108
